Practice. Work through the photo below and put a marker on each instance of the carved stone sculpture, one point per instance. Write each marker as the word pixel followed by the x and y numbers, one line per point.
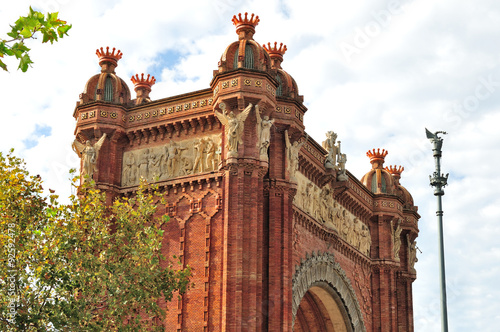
pixel 130 170
pixel 160 163
pixel 396 235
pixel 234 125
pixel 143 164
pixel 199 149
pixel 412 253
pixel 346 225
pixel 332 149
pixel 356 233
pixel 263 133
pixel 211 158
pixel 366 241
pixel 342 175
pixel 293 155
pixel 154 163
pixel 173 157
pixel 320 205
pixel 89 154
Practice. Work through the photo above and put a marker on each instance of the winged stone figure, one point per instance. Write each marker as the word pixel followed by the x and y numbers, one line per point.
pixel 89 154
pixel 233 125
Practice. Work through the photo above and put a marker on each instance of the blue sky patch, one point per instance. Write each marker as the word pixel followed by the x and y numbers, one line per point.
pixel 167 59
pixel 40 131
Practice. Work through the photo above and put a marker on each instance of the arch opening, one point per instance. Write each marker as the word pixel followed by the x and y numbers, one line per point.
pixel 321 309
pixel 329 292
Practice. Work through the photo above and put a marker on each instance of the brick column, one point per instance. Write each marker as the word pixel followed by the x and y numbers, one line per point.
pixel 384 283
pixel 242 246
pixel 109 172
pixel 280 266
pixel 405 302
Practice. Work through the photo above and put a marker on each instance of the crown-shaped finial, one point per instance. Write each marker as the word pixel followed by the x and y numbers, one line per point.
pixel 108 57
pixel 274 50
pixel 275 53
pixel 377 157
pixel 395 170
pixel 143 82
pixel 245 26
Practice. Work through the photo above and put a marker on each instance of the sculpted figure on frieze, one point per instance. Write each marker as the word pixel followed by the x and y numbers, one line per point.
pixel 316 207
pixel 199 148
pixel 337 216
pixel 186 164
pixel 212 156
pixel 130 170
pixel 233 126
pixel 143 164
pixel 308 197
pixel 172 151
pixel 324 204
pixel 346 225
pixel 154 166
pixel 365 241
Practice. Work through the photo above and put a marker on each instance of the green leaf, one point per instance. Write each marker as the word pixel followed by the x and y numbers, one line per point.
pixel 25 62
pixel 3 65
pixel 26 32
pixel 63 30
pixel 14 34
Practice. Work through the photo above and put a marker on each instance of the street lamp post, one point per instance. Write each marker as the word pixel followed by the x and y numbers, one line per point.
pixel 438 181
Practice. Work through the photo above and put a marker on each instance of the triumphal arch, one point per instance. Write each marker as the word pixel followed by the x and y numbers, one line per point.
pixel 280 235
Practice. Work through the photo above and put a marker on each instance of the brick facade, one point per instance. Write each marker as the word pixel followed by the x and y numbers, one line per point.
pixel 270 250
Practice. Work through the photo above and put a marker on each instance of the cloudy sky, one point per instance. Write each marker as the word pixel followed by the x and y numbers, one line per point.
pixel 376 72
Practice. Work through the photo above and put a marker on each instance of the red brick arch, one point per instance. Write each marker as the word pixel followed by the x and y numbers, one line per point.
pixel 321 288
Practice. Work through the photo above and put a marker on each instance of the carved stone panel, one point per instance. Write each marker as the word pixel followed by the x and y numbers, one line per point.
pixel 174 159
pixel 320 205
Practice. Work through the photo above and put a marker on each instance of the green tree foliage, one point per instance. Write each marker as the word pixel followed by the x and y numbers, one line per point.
pixel 26 27
pixel 82 266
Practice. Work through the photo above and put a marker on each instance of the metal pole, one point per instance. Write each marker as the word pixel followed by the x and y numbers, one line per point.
pixel 438 181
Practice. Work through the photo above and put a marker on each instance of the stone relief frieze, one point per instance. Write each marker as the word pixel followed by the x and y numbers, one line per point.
pixel 176 158
pixel 320 205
